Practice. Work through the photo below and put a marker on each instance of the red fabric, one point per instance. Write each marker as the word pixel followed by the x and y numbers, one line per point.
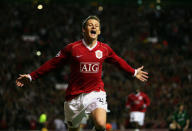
pixel 86 66
pixel 137 102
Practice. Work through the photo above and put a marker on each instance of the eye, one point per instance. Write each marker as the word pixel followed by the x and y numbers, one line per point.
pixel 90 24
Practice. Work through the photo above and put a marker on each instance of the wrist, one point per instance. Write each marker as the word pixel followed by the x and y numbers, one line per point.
pixel 29 76
pixel 135 73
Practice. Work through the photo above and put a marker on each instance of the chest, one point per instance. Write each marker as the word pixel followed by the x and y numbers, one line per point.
pixel 137 99
pixel 84 55
pixel 181 115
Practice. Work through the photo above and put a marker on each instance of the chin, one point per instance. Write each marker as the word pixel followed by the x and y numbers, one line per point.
pixel 93 38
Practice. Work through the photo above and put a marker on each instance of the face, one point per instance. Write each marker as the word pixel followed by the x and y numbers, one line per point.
pixel 92 29
pixel 181 108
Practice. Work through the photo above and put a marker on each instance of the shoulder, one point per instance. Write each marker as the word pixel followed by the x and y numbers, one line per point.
pixel 143 93
pixel 105 47
pixel 73 45
pixel 131 95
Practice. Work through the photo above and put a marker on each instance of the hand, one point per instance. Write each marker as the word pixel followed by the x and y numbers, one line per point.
pixel 185 128
pixel 178 126
pixel 144 106
pixel 22 80
pixel 141 75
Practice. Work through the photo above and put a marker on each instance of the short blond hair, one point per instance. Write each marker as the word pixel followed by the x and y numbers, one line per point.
pixel 88 18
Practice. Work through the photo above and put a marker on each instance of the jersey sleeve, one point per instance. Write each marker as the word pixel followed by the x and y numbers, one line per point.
pixel 174 116
pixel 128 102
pixel 146 100
pixel 113 58
pixel 58 61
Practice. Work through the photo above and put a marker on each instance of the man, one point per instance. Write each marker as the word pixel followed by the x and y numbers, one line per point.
pixel 137 102
pixel 180 120
pixel 85 93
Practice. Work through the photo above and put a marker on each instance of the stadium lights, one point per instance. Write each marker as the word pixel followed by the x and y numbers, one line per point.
pixel 158 1
pixel 100 8
pixel 158 7
pixel 40 7
pixel 139 2
pixel 38 53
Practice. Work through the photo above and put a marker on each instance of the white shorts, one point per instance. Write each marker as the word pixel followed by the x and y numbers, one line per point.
pixel 76 109
pixel 136 116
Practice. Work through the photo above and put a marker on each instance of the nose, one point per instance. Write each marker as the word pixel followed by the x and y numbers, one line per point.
pixel 94 27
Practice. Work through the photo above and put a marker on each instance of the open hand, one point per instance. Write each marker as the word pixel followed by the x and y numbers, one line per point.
pixel 141 75
pixel 22 80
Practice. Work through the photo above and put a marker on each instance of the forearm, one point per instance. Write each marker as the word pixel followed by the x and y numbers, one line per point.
pixel 46 67
pixel 187 124
pixel 122 64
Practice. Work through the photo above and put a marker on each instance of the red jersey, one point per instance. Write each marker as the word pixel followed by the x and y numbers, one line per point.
pixel 138 102
pixel 85 64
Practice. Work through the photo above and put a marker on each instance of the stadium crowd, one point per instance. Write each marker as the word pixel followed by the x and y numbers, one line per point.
pixel 158 39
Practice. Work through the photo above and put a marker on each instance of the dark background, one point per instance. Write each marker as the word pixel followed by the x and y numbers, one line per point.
pixel 156 35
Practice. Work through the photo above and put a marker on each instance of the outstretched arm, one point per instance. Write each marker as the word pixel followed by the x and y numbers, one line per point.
pixel 47 67
pixel 114 59
pixel 56 62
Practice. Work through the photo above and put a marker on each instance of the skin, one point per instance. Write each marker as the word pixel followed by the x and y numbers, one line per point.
pixel 90 39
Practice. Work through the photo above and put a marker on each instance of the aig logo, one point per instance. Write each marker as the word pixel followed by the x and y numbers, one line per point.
pixel 89 67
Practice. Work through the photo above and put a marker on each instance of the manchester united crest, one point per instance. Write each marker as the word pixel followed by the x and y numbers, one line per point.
pixel 99 54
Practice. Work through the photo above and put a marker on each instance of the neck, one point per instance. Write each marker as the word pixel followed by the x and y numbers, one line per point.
pixel 180 111
pixel 90 42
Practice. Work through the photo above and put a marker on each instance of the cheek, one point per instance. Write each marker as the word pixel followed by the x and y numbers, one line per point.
pixel 99 32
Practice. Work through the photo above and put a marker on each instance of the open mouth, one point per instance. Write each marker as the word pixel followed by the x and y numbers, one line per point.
pixel 93 32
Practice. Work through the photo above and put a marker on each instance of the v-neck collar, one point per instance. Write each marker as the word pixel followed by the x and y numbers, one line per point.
pixel 138 94
pixel 90 48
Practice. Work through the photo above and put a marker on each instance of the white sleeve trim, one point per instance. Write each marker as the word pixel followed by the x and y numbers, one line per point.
pixel 135 72
pixel 144 105
pixel 30 78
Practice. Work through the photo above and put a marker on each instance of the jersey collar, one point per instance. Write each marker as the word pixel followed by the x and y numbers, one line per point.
pixel 90 48
pixel 138 94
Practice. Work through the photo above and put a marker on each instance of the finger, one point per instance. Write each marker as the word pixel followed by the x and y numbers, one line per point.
pixel 140 68
pixel 20 78
pixel 143 72
pixel 19 84
pixel 145 76
pixel 143 79
pixel 24 75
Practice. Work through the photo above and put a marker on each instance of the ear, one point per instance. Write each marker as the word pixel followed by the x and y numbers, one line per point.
pixel 99 32
pixel 83 30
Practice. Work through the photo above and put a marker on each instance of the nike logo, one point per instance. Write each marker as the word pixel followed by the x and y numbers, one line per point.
pixel 79 56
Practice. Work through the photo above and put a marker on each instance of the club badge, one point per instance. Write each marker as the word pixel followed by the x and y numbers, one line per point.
pixel 99 54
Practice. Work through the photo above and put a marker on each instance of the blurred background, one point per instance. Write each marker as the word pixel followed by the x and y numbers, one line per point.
pixel 153 33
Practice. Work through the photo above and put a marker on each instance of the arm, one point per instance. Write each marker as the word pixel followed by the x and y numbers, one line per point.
pixel 175 120
pixel 187 122
pixel 122 64
pixel 48 66
pixel 147 101
pixel 128 102
pixel 187 125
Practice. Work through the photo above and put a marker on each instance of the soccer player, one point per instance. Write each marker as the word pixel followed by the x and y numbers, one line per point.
pixel 137 102
pixel 180 120
pixel 85 93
